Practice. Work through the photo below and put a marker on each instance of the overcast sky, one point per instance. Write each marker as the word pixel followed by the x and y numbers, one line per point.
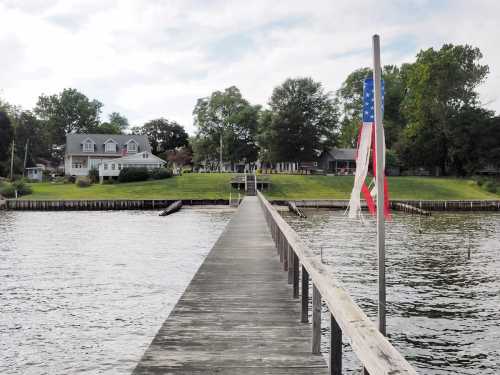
pixel 149 59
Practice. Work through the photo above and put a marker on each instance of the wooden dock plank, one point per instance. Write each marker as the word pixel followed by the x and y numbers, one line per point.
pixel 238 315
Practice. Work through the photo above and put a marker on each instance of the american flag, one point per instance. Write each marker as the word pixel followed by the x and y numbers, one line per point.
pixel 369 101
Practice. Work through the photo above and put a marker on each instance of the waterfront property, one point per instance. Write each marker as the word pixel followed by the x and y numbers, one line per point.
pixel 86 151
pixel 111 168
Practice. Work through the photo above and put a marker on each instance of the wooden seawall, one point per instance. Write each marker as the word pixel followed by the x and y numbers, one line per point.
pixel 238 315
pixel 242 315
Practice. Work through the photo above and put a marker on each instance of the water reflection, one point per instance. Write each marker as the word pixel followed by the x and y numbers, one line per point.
pixel 442 305
pixel 86 291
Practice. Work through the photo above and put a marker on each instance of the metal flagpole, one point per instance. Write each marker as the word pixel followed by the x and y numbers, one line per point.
pixel 379 145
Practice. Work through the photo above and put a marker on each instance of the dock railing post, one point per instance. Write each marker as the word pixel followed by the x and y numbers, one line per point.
pixel 335 347
pixel 316 321
pixel 304 312
pixel 291 266
pixel 295 275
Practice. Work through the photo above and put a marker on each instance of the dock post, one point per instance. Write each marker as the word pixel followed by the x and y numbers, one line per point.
pixel 286 257
pixel 291 266
pixel 304 312
pixel 295 275
pixel 335 364
pixel 316 321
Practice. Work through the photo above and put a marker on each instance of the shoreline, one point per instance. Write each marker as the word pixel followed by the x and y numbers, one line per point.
pixel 152 204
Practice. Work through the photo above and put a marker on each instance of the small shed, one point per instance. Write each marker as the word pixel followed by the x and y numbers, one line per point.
pixel 35 173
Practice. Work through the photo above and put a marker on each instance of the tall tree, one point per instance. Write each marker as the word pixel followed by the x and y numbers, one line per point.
pixel 227 115
pixel 117 124
pixel 440 87
pixel 6 134
pixel 68 112
pixel 164 135
pixel 303 122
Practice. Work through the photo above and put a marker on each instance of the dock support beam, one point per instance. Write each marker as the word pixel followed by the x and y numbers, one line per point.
pixel 295 275
pixel 335 347
pixel 304 313
pixel 316 320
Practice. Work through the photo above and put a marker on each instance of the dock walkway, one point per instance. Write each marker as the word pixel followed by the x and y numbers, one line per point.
pixel 237 315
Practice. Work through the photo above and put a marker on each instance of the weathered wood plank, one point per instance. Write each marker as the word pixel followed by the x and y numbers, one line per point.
pixel 237 315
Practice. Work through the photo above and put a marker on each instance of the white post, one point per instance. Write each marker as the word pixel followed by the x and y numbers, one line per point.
pixel 379 142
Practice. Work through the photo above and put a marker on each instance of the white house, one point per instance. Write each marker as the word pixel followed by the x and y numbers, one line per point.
pixel 111 168
pixel 86 151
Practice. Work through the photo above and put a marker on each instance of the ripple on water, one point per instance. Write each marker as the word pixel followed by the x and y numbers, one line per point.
pixel 87 291
pixel 442 308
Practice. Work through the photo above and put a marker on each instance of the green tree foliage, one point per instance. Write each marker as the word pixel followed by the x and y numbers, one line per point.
pixel 117 124
pixel 303 121
pixel 6 134
pixel 68 112
pixel 228 115
pixel 164 135
pixel 440 90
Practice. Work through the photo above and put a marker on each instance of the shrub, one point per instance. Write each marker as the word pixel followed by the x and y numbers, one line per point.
pixel 69 179
pixel 480 181
pixel 93 175
pixel 187 171
pixel 160 173
pixel 133 174
pixel 490 186
pixel 21 187
pixel 109 181
pixel 7 190
pixel 82 181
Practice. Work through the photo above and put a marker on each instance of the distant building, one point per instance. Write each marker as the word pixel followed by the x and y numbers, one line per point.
pixel 111 168
pixel 86 151
pixel 341 161
pixel 35 173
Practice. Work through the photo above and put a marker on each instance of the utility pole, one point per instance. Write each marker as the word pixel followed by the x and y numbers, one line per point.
pixel 25 155
pixel 380 148
pixel 12 158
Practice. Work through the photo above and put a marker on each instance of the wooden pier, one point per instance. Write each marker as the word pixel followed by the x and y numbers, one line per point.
pixel 241 314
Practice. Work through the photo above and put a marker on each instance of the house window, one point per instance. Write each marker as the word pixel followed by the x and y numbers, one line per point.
pixel 145 155
pixel 110 147
pixel 113 166
pixel 105 166
pixel 88 146
pixel 119 167
pixel 132 146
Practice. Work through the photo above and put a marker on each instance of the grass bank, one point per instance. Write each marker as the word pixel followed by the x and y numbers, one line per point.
pixel 216 186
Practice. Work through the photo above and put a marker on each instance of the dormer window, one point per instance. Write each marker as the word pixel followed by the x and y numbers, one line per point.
pixel 88 146
pixel 110 146
pixel 132 146
pixel 145 155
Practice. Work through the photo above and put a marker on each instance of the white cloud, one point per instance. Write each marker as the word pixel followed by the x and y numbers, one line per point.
pixel 148 59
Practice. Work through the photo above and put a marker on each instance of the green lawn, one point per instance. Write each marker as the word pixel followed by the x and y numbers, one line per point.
pixel 216 186
pixel 188 186
pixel 339 187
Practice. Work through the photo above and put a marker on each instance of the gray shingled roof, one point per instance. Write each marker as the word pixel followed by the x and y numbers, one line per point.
pixel 74 143
pixel 343 153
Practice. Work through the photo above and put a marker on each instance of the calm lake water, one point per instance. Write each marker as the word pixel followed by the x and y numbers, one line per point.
pixel 85 292
pixel 443 308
